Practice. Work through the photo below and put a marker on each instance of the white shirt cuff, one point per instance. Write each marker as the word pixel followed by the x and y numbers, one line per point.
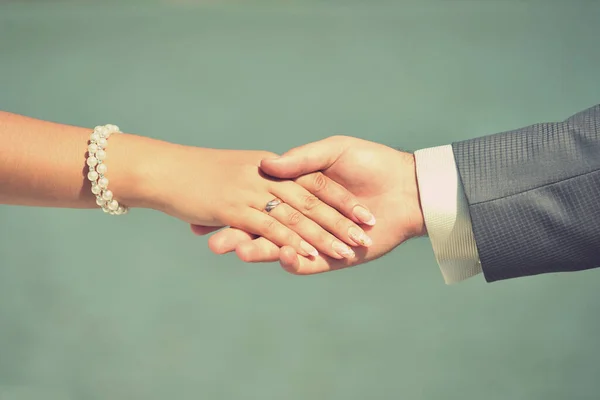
pixel 446 214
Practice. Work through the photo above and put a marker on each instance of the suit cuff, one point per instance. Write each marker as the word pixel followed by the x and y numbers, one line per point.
pixel 446 214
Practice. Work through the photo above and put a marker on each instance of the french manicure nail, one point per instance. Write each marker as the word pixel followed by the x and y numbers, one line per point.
pixel 360 237
pixel 308 248
pixel 364 215
pixel 343 250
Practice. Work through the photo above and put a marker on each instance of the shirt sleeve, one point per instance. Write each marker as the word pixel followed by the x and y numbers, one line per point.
pixel 446 214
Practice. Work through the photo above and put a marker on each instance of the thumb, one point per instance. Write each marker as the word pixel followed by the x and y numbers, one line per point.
pixel 312 157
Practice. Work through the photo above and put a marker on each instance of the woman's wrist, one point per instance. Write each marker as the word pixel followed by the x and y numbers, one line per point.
pixel 154 174
pixel 136 170
pixel 44 164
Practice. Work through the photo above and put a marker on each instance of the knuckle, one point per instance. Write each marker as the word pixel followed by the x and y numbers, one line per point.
pixel 290 238
pixel 311 202
pixel 268 226
pixel 347 200
pixel 327 238
pixel 341 225
pixel 227 213
pixel 294 218
pixel 319 182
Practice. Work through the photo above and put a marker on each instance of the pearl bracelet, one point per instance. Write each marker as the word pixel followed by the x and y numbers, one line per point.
pixel 96 157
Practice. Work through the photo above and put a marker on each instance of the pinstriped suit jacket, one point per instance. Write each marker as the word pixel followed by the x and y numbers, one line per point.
pixel 534 196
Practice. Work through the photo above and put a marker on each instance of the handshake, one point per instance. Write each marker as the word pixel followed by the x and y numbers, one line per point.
pixel 322 206
pixel 516 203
pixel 327 205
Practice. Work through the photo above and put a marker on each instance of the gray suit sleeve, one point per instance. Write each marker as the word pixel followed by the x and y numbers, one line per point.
pixel 534 197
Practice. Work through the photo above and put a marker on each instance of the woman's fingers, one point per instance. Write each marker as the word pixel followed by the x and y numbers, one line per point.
pixel 247 247
pixel 312 232
pixel 321 213
pixel 338 197
pixel 265 225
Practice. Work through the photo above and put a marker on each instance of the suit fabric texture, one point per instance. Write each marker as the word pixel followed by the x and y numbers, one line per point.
pixel 534 196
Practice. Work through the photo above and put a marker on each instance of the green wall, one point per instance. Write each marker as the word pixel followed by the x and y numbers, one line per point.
pixel 153 314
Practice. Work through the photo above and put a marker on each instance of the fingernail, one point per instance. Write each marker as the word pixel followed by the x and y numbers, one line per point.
pixel 360 237
pixel 309 249
pixel 364 215
pixel 343 250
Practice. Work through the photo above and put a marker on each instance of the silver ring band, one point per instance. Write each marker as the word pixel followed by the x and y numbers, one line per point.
pixel 272 204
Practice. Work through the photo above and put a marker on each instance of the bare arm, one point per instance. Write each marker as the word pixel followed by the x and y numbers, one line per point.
pixel 43 164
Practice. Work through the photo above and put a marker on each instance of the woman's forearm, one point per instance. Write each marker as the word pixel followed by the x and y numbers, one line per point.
pixel 44 164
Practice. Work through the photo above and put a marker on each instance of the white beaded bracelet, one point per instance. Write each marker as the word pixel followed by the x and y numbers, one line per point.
pixel 96 157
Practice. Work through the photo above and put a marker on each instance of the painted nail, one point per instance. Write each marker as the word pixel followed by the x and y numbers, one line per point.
pixel 364 215
pixel 360 237
pixel 309 249
pixel 343 250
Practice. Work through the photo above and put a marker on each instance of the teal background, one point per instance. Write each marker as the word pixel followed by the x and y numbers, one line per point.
pixel 93 307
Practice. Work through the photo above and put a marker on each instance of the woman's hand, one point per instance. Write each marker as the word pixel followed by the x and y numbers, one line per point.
pixel 44 164
pixel 226 188
pixel 380 177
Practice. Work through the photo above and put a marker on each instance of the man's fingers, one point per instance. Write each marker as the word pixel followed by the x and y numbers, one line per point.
pixel 228 240
pixel 250 249
pixel 258 251
pixel 247 247
pixel 316 156
pixel 289 259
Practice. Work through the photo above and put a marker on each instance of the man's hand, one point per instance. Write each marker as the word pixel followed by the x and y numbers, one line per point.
pixel 381 178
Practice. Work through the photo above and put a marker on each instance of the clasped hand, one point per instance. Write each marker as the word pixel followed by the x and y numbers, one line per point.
pixel 236 192
pixel 351 199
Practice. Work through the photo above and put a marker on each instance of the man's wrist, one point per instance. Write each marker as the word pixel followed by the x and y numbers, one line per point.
pixel 446 213
pixel 422 228
pixel 416 224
